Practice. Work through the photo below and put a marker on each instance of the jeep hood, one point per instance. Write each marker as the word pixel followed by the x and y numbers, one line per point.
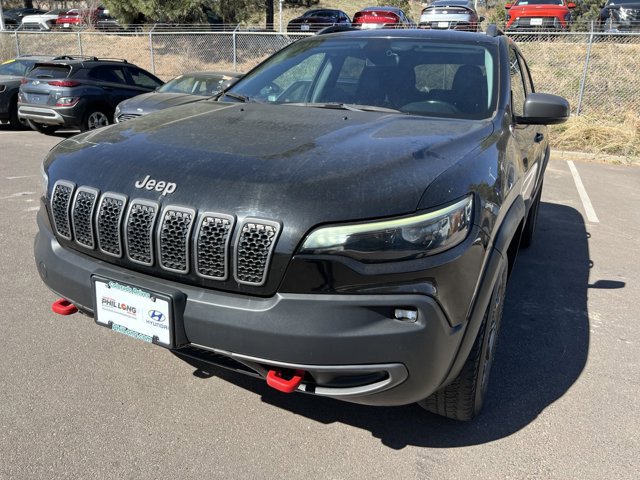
pixel 299 165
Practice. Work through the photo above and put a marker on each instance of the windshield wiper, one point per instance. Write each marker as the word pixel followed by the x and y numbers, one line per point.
pixel 236 96
pixel 344 106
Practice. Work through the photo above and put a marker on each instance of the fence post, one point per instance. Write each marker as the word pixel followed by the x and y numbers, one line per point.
pixel 235 50
pixel 80 44
pixel 153 61
pixel 583 82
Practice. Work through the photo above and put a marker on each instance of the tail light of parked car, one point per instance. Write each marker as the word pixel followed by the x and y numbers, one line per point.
pixel 63 83
pixel 67 101
pixel 376 17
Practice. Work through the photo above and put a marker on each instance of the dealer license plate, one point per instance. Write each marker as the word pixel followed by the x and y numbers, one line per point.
pixel 133 311
pixel 536 21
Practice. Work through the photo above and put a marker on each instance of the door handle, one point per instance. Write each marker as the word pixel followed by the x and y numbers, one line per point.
pixel 538 138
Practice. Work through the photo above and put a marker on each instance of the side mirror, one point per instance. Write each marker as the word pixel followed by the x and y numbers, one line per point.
pixel 571 5
pixel 508 6
pixel 544 109
pixel 480 19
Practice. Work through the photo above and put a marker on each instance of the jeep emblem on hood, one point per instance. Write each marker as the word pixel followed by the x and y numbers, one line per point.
pixel 149 183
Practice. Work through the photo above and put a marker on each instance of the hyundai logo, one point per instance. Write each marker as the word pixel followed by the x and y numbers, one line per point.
pixel 156 316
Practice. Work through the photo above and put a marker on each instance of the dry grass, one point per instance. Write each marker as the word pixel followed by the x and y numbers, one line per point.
pixel 600 136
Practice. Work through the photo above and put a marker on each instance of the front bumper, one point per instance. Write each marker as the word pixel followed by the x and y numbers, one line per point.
pixel 524 24
pixel 350 346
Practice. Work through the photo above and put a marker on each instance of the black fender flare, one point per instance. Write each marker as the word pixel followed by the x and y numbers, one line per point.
pixel 509 230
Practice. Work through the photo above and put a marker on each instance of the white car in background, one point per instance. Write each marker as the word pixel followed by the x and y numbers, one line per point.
pixel 44 21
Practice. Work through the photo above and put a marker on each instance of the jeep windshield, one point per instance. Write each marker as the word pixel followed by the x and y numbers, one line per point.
pixel 404 75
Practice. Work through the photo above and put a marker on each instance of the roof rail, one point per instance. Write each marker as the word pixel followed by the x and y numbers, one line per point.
pixel 337 28
pixel 74 57
pixel 493 30
pixel 123 60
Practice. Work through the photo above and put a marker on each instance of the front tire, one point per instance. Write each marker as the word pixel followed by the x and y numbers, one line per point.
pixel 39 127
pixel 463 398
pixel 94 118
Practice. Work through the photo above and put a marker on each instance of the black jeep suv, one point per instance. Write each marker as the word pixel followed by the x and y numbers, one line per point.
pixel 341 222
pixel 80 92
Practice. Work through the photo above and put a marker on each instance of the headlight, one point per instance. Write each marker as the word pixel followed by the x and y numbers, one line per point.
pixel 116 114
pixel 395 239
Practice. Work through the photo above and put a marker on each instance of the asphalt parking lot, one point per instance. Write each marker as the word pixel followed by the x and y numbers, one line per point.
pixel 78 401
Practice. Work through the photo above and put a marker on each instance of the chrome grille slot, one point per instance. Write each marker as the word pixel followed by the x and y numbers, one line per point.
pixel 211 245
pixel 139 230
pixel 254 247
pixel 60 203
pixel 108 219
pixel 173 238
pixel 82 216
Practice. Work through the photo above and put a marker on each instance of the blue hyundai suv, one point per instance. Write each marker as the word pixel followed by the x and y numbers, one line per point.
pixel 79 92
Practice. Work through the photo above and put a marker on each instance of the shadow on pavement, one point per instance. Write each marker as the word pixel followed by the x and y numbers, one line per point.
pixel 542 350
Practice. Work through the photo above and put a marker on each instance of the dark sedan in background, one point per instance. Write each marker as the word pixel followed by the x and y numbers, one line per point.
pixel 11 74
pixel 184 89
pixel 317 19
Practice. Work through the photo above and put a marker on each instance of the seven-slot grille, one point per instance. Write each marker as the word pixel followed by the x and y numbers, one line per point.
pixel 176 239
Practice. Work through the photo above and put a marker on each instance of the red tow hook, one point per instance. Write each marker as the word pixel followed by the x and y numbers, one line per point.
pixel 63 307
pixel 277 381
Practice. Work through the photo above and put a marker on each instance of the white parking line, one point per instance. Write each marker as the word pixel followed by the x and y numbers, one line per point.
pixel 586 202
pixel 21 176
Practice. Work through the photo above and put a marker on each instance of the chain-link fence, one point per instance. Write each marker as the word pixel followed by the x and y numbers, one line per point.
pixel 598 72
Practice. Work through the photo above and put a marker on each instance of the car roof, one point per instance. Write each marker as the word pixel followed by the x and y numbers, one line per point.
pixel 318 10
pixel 35 57
pixel 452 3
pixel 382 9
pixel 210 73
pixel 427 34
pixel 73 60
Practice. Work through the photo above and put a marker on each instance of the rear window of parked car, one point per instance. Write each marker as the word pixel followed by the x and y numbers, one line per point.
pixel 50 71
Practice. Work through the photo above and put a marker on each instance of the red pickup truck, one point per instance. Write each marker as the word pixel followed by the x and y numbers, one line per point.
pixel 528 15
